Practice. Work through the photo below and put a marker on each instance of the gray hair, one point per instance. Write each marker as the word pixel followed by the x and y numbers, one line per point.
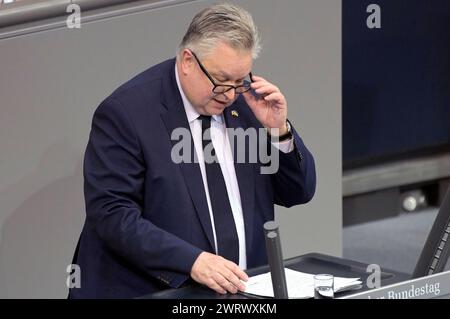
pixel 221 23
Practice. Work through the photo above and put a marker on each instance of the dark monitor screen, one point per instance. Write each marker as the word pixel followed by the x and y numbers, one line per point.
pixel 396 80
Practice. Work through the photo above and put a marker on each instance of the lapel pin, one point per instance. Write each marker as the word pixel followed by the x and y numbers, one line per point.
pixel 234 113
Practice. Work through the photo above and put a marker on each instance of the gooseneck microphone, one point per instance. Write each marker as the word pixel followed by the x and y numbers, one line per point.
pixel 275 257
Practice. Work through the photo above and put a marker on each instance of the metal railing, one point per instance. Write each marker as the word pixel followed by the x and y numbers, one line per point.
pixel 24 18
pixel 28 11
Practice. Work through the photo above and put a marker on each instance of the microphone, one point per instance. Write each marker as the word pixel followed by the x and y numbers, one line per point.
pixel 275 257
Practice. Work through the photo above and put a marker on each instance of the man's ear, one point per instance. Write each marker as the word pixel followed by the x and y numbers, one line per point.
pixel 186 61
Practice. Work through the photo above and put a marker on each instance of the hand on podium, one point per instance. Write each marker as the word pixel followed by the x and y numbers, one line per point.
pixel 218 273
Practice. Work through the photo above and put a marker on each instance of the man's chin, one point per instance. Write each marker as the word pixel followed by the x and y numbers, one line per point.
pixel 217 108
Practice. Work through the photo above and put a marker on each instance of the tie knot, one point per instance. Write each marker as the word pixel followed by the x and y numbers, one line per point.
pixel 204 117
pixel 206 121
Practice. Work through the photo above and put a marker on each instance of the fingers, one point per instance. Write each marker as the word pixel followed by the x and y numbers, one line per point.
pixel 258 78
pixel 219 274
pixel 259 81
pixel 212 283
pixel 237 271
pixel 271 108
pixel 276 97
pixel 249 98
pixel 224 283
pixel 265 88
pixel 234 277
pixel 229 277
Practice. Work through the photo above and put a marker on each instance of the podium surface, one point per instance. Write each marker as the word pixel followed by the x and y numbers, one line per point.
pixel 312 263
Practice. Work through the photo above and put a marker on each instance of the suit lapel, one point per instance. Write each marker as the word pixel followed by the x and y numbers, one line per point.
pixel 244 174
pixel 174 116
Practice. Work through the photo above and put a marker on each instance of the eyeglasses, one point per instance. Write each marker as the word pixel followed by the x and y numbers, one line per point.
pixel 223 88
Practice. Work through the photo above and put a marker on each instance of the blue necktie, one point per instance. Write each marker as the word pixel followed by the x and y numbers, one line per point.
pixel 226 234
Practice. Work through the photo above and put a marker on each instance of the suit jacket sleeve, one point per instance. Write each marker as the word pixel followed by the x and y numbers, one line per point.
pixel 295 181
pixel 114 175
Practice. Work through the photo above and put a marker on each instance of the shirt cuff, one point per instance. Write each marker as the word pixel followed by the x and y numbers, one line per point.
pixel 285 146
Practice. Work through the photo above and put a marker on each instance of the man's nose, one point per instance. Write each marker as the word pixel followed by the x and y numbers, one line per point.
pixel 231 94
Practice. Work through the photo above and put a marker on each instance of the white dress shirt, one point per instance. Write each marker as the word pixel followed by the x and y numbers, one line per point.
pixel 219 138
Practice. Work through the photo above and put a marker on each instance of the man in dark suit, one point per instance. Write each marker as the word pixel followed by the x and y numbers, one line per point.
pixel 156 220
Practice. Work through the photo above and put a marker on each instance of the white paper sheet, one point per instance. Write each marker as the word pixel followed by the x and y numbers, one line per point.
pixel 300 284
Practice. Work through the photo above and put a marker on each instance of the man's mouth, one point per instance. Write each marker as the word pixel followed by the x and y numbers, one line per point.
pixel 221 103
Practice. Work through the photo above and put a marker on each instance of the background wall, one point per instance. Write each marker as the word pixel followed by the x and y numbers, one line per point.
pixel 52 81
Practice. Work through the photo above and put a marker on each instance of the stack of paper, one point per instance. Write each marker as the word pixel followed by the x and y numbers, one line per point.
pixel 300 284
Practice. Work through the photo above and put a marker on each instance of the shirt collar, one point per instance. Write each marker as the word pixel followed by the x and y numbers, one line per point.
pixel 191 112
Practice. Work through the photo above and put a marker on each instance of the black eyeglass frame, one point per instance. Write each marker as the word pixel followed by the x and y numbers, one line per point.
pixel 227 87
